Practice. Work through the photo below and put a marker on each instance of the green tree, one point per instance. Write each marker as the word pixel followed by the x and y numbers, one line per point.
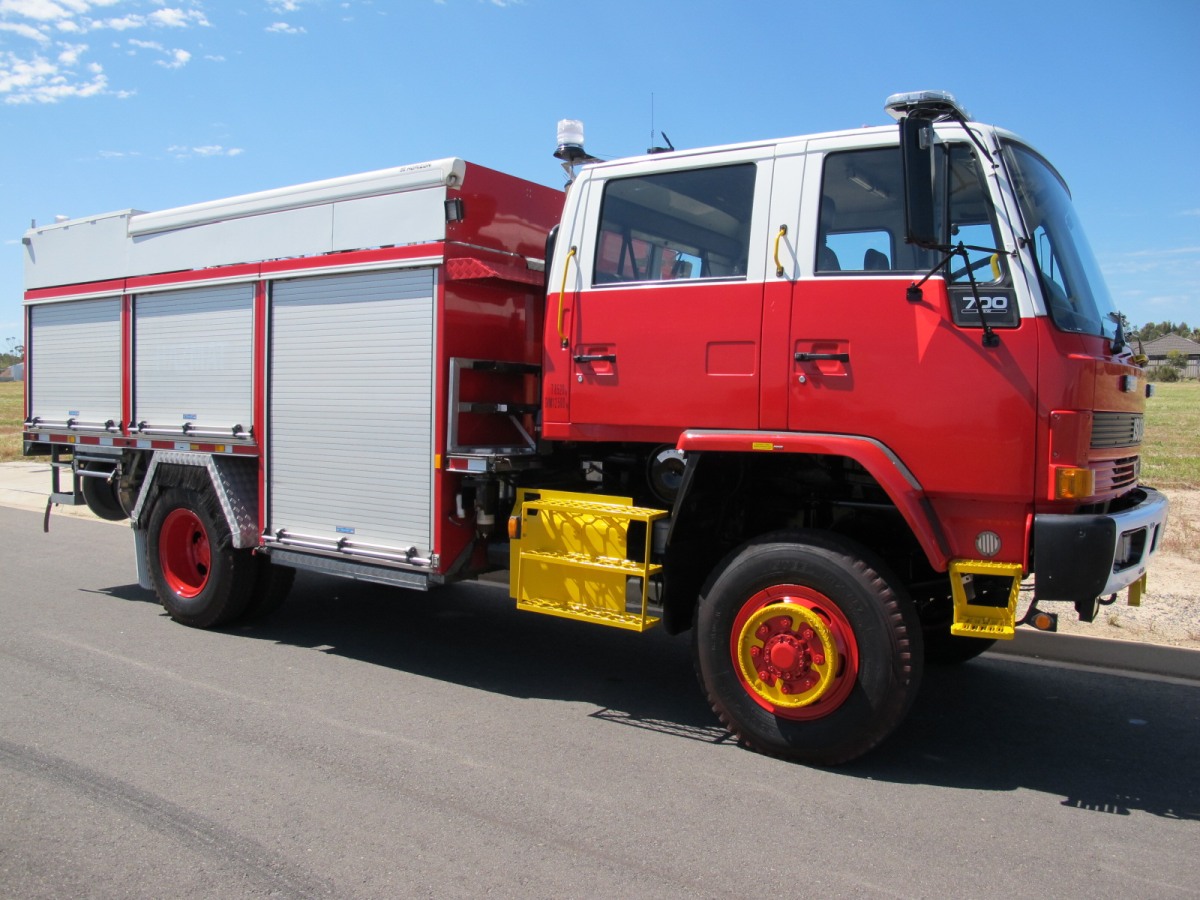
pixel 1177 359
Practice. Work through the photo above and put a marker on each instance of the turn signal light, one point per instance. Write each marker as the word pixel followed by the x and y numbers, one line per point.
pixel 1044 621
pixel 1074 484
pixel 514 528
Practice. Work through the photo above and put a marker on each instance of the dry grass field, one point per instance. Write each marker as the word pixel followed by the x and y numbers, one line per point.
pixel 10 420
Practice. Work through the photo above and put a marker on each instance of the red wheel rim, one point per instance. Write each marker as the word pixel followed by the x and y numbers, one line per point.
pixel 183 553
pixel 794 652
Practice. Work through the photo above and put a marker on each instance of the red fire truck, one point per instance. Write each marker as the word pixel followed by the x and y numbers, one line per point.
pixel 837 403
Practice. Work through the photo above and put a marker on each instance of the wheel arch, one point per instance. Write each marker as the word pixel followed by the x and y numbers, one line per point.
pixel 232 481
pixel 765 479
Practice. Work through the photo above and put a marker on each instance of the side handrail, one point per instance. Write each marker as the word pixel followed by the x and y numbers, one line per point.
pixel 562 291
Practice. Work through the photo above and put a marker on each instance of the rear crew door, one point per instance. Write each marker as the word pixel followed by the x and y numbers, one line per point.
pixel 666 330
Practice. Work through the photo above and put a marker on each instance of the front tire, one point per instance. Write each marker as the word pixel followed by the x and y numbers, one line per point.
pixel 806 649
pixel 201 579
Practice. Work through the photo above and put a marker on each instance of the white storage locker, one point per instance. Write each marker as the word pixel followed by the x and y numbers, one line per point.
pixel 75 362
pixel 194 352
pixel 351 408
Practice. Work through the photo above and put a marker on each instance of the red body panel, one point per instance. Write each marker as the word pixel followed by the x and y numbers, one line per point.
pixel 686 356
pixel 504 213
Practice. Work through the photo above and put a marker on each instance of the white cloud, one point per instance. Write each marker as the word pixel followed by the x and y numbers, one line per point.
pixel 177 18
pixel 42 10
pixel 180 151
pixel 25 31
pixel 177 59
pixel 285 28
pixel 38 80
pixel 70 53
pixel 53 66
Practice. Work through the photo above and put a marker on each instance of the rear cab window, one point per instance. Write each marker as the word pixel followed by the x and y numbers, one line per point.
pixel 687 225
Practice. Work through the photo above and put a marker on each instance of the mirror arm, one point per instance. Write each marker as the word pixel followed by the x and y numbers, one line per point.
pixel 990 338
pixel 914 294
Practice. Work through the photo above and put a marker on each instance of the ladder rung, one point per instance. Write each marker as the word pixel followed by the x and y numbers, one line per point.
pixel 636 513
pixel 567 610
pixel 601 563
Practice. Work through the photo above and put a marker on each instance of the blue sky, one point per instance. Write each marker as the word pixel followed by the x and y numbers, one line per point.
pixel 112 104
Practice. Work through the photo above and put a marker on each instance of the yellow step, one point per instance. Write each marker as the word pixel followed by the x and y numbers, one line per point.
pixel 572 557
pixel 580 612
pixel 976 620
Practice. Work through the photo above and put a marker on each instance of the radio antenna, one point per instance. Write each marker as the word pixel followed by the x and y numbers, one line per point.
pixel 656 148
pixel 652 118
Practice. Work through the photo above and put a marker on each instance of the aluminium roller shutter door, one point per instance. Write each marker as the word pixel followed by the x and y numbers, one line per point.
pixel 351 408
pixel 194 356
pixel 75 361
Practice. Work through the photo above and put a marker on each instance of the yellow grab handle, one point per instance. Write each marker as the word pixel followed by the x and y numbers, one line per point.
pixel 995 266
pixel 779 237
pixel 561 293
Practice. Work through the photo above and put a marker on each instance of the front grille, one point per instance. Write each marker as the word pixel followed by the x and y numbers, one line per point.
pixel 1113 429
pixel 1115 474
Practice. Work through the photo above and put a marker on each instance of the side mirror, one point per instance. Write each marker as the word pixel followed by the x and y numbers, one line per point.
pixel 916 149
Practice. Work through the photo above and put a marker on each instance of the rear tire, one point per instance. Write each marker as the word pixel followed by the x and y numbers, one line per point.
pixel 201 579
pixel 272 584
pixel 102 498
pixel 806 649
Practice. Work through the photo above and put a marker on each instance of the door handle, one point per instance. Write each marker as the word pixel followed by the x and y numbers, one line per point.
pixel 596 357
pixel 812 357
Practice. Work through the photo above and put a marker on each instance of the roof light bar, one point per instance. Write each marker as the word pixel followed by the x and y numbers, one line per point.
pixel 932 105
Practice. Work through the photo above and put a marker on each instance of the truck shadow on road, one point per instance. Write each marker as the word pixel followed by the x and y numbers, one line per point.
pixel 1101 742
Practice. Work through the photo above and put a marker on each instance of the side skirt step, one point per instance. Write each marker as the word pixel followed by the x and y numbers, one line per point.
pixel 585 557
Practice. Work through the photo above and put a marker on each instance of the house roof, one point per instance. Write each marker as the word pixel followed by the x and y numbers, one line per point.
pixel 1163 345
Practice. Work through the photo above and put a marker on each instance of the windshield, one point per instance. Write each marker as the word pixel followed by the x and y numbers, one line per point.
pixel 1076 296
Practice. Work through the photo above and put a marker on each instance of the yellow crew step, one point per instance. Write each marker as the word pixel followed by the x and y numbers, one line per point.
pixel 571 558
pixel 977 620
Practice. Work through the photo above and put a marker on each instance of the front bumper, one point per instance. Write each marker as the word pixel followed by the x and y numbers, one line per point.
pixel 1081 556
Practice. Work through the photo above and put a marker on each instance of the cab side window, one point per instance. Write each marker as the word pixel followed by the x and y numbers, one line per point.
pixel 860 227
pixel 862 212
pixel 676 226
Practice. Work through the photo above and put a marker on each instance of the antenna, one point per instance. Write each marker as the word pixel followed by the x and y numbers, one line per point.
pixel 653 148
pixel 652 118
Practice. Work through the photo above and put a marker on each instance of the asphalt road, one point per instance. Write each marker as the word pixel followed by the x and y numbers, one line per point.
pixel 373 743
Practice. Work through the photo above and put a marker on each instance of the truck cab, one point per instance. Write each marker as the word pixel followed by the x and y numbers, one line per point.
pixel 897 338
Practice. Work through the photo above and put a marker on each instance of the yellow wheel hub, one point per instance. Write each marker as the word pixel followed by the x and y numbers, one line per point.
pixel 787 655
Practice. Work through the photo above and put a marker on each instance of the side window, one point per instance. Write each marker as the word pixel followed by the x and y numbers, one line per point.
pixel 676 226
pixel 862 212
pixel 861 222
pixel 971 221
